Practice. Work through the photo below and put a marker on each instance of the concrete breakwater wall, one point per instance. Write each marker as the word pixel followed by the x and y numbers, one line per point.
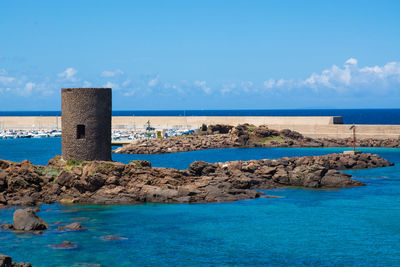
pixel 165 122
pixel 315 127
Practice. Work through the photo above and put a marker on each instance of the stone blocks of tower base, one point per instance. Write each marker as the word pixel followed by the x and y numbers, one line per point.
pixel 86 123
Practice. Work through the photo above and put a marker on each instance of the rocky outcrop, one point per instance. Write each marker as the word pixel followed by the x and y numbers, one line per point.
pixel 368 142
pixel 112 182
pixel 219 128
pixel 6 261
pixel 239 136
pixel 178 144
pixel 243 136
pixel 26 220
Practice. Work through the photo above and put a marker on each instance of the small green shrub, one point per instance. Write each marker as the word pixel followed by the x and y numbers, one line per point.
pixel 105 165
pixel 251 128
pixel 136 163
pixel 74 162
pixel 51 172
pixel 272 138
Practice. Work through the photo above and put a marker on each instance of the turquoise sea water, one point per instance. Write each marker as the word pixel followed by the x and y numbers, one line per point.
pixel 347 227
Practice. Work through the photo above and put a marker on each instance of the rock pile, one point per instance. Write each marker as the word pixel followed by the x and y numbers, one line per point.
pixel 112 182
pixel 369 142
pixel 178 144
pixel 220 136
pixel 219 129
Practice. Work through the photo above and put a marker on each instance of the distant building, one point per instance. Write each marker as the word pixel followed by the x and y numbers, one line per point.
pixel 86 123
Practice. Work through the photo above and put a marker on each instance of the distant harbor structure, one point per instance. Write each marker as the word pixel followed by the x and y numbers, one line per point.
pixel 134 127
pixel 86 123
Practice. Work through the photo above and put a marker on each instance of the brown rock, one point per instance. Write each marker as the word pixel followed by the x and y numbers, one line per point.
pixel 64 245
pixel 71 227
pixel 27 220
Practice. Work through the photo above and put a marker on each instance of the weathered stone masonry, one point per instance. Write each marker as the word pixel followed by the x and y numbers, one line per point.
pixel 86 123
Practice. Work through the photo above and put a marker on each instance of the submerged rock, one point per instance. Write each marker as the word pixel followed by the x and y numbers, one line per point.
pixel 71 227
pixel 112 237
pixel 64 245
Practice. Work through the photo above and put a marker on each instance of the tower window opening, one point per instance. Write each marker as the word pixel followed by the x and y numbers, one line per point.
pixel 80 131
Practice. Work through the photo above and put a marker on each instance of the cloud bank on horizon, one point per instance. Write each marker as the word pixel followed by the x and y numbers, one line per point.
pixel 348 80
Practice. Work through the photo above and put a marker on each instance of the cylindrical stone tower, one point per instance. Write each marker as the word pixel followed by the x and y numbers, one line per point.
pixel 86 123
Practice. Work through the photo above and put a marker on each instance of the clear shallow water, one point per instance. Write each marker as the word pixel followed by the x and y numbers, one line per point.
pixel 357 226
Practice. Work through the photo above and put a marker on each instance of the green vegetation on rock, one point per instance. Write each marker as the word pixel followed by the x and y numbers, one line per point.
pixel 272 138
pixel 74 162
pixel 251 128
pixel 136 163
pixel 50 171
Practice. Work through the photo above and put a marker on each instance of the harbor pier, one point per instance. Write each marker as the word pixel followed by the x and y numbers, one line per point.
pixel 315 127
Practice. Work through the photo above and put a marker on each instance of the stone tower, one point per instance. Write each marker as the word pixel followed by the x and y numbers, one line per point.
pixel 86 123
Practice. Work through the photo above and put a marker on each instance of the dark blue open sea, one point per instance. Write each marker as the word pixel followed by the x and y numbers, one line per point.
pixel 346 227
pixel 350 116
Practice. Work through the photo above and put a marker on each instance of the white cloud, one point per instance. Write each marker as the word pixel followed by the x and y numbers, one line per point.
pixel 391 69
pixel 351 61
pixel 4 78
pixel 3 72
pixel 69 74
pixel 272 83
pixel 111 85
pixel 130 93
pixel 126 83
pixel 25 89
pixel 349 77
pixel 282 82
pixel 333 78
pixel 87 84
pixel 28 88
pixel 203 86
pixel 246 86
pixel 269 84
pixel 109 73
pixel 153 82
pixel 168 87
pixel 227 88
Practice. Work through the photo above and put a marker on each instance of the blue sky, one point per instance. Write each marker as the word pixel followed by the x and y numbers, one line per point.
pixel 207 54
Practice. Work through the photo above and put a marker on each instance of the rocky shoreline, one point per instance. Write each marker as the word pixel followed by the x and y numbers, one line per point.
pixel 100 182
pixel 6 261
pixel 223 136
